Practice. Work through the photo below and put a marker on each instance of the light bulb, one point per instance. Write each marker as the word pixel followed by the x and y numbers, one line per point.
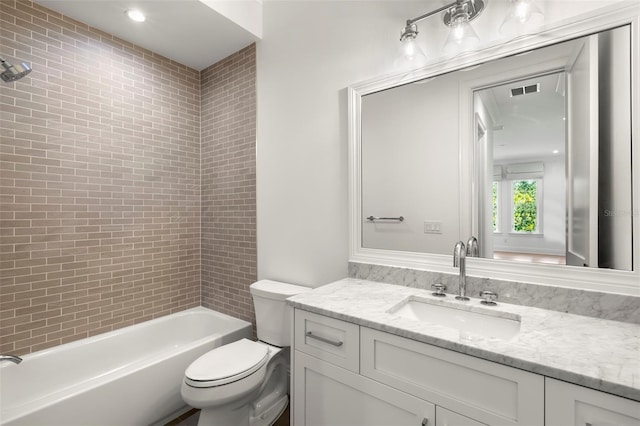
pixel 523 16
pixel 136 15
pixel 461 38
pixel 410 56
pixel 522 11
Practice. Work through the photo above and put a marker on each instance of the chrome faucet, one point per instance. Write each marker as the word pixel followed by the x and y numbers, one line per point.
pixel 13 358
pixel 472 247
pixel 459 260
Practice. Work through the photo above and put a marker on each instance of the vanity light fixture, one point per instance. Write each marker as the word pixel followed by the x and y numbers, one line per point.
pixel 522 17
pixel 457 16
pixel 136 15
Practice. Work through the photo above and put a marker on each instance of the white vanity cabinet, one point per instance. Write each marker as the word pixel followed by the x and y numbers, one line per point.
pixel 327 395
pixel 328 391
pixel 572 405
pixel 484 391
pixel 350 375
pixel 359 376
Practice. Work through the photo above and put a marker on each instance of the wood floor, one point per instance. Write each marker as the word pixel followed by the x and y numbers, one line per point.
pixel 548 259
pixel 190 418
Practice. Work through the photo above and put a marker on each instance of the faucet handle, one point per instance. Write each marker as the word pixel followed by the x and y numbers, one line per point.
pixel 439 289
pixel 489 298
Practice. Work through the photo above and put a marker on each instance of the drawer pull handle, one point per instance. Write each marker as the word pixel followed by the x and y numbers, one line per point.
pixel 324 339
pixel 425 421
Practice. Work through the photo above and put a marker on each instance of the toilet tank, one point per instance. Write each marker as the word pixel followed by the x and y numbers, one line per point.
pixel 273 315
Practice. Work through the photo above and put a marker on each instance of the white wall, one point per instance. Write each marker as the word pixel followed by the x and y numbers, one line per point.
pixel 310 52
pixel 410 166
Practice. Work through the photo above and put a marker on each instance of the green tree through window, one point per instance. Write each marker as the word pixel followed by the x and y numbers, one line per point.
pixel 496 212
pixel 525 206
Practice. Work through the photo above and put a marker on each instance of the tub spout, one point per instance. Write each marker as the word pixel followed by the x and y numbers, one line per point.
pixel 13 358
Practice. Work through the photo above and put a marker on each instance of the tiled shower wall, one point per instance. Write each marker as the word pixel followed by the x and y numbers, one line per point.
pixel 100 183
pixel 229 184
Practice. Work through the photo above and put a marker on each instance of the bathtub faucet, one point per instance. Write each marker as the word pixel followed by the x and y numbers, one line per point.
pixel 13 358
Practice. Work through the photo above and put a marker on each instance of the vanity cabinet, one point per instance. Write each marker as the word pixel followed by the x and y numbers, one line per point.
pixel 347 376
pixel 328 391
pixel 572 405
pixel 484 391
pixel 328 395
pixel 350 375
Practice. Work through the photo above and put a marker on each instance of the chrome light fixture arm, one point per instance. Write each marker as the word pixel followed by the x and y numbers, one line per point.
pixel 471 7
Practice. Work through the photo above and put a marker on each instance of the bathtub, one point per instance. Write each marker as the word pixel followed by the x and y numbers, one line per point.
pixel 130 376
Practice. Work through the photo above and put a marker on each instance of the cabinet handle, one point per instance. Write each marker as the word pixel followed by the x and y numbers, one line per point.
pixel 324 339
pixel 425 421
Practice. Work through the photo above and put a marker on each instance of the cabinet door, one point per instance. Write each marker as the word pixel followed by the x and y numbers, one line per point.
pixel 485 391
pixel 327 395
pixel 445 417
pixel 572 405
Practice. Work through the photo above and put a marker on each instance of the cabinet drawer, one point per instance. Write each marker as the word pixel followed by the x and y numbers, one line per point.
pixel 568 404
pixel 485 391
pixel 329 339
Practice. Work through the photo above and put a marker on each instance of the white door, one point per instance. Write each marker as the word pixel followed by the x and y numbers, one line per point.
pixel 582 156
pixel 571 405
pixel 327 395
pixel 483 187
pixel 445 417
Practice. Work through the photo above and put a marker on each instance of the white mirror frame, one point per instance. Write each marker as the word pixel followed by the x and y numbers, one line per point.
pixel 622 282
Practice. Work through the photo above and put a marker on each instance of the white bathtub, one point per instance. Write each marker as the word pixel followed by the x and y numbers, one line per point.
pixel 130 376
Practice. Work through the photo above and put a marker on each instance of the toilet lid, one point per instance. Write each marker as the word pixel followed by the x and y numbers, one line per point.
pixel 227 364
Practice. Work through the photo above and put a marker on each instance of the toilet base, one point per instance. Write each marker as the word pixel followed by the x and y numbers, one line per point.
pixel 272 414
pixel 262 407
pixel 238 416
pixel 242 415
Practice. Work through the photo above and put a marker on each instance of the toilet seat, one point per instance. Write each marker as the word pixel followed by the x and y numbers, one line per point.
pixel 227 364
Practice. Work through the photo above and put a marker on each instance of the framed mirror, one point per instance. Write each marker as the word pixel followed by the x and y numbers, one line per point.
pixel 526 146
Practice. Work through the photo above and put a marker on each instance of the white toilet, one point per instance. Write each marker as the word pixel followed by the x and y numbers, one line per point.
pixel 245 383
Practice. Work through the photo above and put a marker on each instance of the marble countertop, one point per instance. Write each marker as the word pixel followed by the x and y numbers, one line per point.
pixel 596 353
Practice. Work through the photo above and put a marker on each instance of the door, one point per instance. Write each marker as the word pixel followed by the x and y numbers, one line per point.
pixel 327 395
pixel 571 405
pixel 445 417
pixel 582 156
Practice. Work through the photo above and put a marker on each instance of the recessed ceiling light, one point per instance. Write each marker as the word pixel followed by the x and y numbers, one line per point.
pixel 136 15
pixel 555 151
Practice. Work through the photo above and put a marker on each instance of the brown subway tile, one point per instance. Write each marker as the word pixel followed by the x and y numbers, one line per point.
pixel 110 167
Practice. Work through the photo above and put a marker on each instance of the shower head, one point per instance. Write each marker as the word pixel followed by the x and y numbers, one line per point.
pixel 14 72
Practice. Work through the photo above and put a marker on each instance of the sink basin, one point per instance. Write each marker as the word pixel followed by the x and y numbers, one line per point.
pixel 470 321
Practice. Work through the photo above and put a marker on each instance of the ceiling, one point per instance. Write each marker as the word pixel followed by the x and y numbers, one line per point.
pixel 530 125
pixel 186 31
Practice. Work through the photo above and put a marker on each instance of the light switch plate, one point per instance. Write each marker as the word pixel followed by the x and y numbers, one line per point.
pixel 432 227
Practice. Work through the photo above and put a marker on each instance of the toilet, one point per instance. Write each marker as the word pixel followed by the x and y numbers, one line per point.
pixel 245 383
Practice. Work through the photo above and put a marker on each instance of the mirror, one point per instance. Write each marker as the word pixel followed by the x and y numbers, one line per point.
pixel 425 156
pixel 550 155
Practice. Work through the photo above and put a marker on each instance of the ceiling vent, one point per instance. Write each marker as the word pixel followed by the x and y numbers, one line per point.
pixel 525 90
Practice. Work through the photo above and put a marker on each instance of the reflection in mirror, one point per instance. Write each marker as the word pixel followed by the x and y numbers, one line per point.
pixel 552 158
pixel 523 203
